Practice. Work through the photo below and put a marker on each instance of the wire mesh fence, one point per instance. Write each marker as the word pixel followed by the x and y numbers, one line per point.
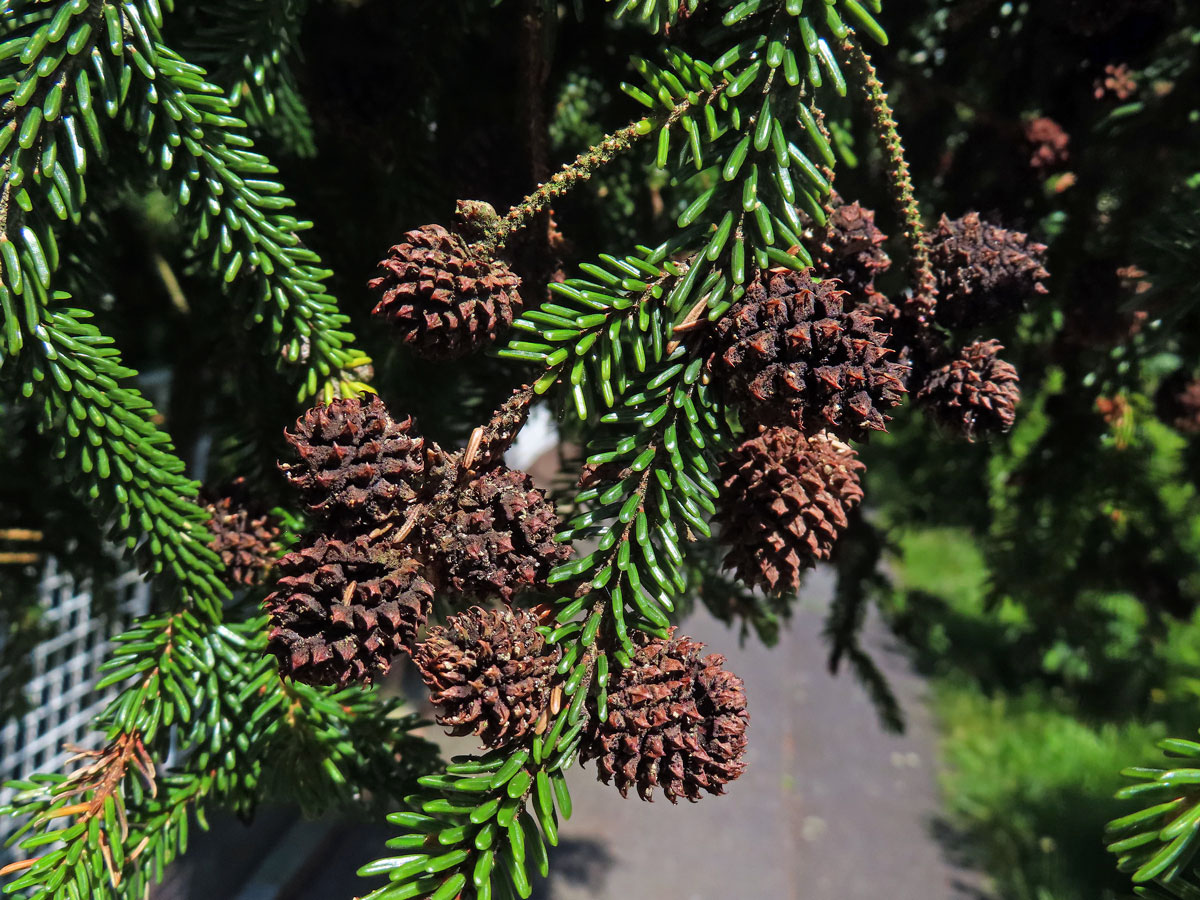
pixel 61 692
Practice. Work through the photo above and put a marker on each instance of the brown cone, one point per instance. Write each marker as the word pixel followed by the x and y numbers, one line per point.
pixel 1177 402
pixel 676 720
pixel 358 466
pixel 784 499
pixel 244 535
pixel 850 249
pixel 342 610
pixel 497 538
pixel 984 273
pixel 490 672
pixel 977 392
pixel 791 356
pixel 444 298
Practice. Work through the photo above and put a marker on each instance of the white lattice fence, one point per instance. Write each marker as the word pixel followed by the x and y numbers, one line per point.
pixel 64 670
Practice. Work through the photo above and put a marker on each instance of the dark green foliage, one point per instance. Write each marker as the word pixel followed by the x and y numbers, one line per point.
pixel 85 84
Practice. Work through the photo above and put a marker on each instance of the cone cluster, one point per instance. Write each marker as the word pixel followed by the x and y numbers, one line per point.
pixel 676 721
pixel 443 296
pixel 784 501
pixel 975 393
pixel 396 517
pixel 984 273
pixel 244 535
pixel 791 354
pixel 490 673
pixel 813 363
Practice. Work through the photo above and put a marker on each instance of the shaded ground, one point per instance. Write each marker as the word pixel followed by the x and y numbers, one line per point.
pixel 830 805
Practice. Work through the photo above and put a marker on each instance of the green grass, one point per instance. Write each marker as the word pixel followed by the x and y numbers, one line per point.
pixel 1039 712
pixel 1029 787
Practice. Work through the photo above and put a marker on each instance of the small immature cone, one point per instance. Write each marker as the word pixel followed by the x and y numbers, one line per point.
pixel 975 393
pixel 496 538
pixel 791 355
pixel 784 500
pixel 676 721
pixel 341 611
pixel 244 535
pixel 489 671
pixel 850 249
pixel 358 467
pixel 984 273
pixel 443 297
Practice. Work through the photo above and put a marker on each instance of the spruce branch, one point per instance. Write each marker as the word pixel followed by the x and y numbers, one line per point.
pixel 1157 843
pixel 247 47
pixel 108 431
pixel 240 733
pixel 240 221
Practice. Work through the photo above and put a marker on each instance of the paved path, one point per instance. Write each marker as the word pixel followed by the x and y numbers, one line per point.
pixel 830 806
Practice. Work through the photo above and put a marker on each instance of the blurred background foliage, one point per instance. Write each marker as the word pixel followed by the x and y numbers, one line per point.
pixel 1048 582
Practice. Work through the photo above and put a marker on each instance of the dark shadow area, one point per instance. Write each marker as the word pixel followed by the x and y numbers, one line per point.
pixel 1051 845
pixel 579 862
pixel 331 872
pixel 959 854
pixel 219 861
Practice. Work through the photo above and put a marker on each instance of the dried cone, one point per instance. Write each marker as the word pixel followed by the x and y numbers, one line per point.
pixel 850 249
pixel 489 671
pixel 497 538
pixel 445 298
pixel 676 720
pixel 244 535
pixel 784 499
pixel 976 392
pixel 792 356
pixel 342 610
pixel 358 466
pixel 984 272
pixel 1177 402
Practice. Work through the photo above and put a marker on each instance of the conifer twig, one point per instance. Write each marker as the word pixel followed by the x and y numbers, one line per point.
pixel 883 123
pixel 580 170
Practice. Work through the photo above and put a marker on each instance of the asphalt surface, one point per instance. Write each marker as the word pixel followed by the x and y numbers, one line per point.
pixel 831 806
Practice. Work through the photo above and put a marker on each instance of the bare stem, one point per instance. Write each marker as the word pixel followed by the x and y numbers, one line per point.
pixel 884 124
pixel 575 173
